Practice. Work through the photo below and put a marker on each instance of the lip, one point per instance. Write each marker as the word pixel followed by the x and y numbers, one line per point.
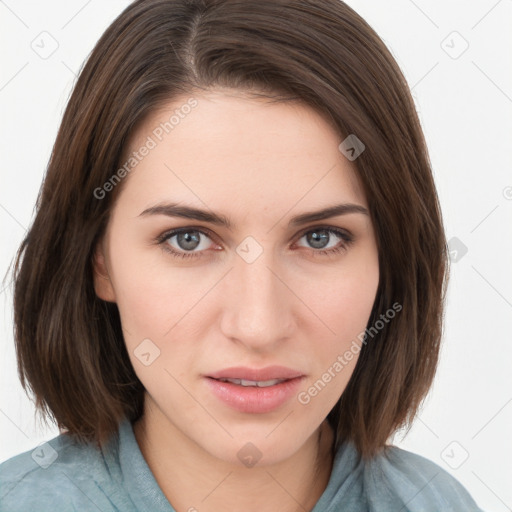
pixel 252 399
pixel 260 374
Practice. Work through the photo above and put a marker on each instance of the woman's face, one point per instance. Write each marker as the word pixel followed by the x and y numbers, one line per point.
pixel 248 290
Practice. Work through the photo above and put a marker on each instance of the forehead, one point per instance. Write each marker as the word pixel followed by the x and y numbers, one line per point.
pixel 232 149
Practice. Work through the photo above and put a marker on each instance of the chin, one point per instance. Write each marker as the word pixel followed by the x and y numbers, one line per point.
pixel 257 447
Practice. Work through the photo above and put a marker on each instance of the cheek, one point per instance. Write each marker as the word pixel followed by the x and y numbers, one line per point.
pixel 343 299
pixel 151 294
pixel 346 304
pixel 154 294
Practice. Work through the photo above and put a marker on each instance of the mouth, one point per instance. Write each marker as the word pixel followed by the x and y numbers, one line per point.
pixel 269 373
pixel 255 390
pixel 257 383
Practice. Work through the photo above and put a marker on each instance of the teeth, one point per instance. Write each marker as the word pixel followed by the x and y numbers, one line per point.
pixel 257 383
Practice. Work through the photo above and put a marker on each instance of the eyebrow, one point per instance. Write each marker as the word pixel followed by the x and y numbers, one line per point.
pixel 189 212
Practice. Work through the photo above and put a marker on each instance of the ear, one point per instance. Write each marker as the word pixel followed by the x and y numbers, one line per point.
pixel 102 283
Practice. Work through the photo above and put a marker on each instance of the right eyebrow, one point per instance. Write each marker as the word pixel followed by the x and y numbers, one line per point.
pixel 187 212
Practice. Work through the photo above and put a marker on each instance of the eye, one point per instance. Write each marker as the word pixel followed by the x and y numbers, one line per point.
pixel 327 240
pixel 185 242
pixel 191 242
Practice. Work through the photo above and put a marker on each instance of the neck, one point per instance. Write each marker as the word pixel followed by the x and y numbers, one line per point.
pixel 193 480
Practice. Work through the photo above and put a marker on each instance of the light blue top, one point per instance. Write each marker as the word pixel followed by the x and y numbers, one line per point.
pixel 62 476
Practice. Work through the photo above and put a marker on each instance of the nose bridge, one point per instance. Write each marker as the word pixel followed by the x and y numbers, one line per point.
pixel 257 305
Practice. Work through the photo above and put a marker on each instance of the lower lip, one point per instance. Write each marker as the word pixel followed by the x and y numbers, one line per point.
pixel 252 399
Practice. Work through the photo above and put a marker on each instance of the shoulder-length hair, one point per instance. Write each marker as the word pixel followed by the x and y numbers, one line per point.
pixel 70 348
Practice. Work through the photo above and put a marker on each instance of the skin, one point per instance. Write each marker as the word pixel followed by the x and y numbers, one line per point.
pixel 259 164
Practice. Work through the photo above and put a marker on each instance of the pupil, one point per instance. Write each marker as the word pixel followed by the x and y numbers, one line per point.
pixel 186 241
pixel 318 239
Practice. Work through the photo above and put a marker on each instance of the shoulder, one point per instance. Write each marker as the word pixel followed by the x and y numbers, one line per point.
pixel 416 483
pixel 60 474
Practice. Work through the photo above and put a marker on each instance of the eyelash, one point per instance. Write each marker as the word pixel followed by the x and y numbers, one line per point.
pixel 346 238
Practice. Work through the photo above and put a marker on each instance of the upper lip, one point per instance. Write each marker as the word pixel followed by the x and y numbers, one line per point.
pixel 257 374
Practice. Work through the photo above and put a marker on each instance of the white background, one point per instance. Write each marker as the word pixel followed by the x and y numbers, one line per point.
pixel 465 105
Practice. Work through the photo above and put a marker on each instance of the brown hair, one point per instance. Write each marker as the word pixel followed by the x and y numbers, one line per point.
pixel 70 347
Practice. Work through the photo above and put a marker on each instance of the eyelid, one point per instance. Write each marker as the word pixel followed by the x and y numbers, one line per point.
pixel 213 236
pixel 335 229
pixel 176 231
pixel 346 236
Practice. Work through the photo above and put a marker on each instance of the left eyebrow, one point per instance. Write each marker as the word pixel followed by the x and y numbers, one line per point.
pixel 188 212
pixel 326 213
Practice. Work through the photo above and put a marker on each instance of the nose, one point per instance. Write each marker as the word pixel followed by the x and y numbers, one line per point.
pixel 257 305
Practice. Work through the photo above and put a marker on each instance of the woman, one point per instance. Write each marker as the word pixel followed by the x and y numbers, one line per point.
pixel 232 293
